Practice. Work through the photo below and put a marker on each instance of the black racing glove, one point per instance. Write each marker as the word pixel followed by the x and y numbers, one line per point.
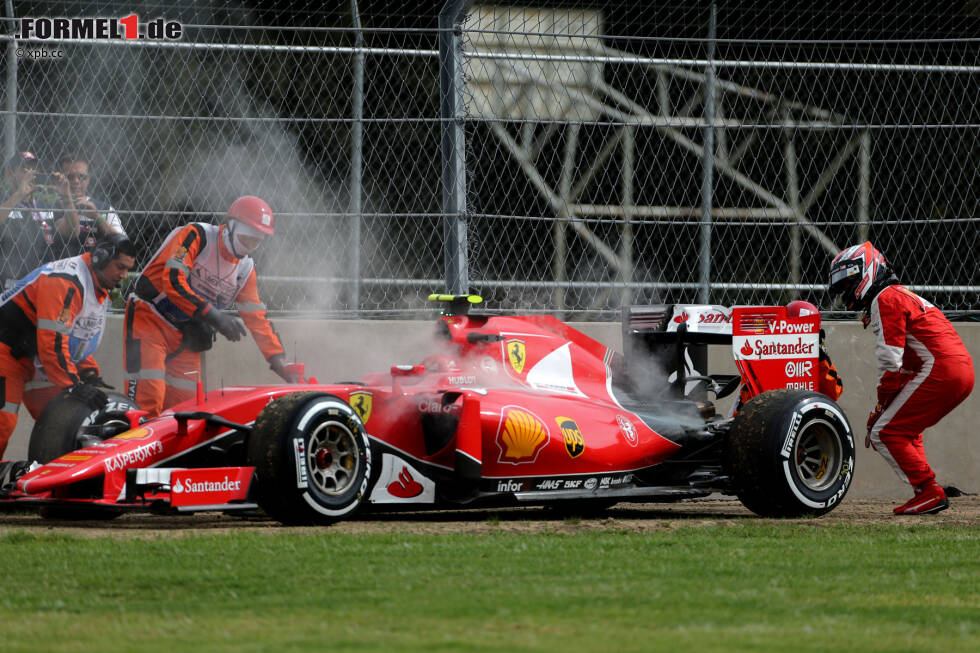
pixel 228 326
pixel 90 376
pixel 278 365
pixel 89 395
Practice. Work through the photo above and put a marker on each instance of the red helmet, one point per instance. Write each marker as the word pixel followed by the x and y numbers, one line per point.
pixel 854 271
pixel 800 308
pixel 255 212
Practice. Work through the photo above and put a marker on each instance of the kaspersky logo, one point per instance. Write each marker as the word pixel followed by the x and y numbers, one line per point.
pixel 521 437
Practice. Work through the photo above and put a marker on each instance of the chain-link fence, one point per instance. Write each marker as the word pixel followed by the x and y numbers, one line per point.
pixel 571 157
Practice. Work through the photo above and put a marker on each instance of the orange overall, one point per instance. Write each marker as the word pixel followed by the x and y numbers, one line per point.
pixel 191 274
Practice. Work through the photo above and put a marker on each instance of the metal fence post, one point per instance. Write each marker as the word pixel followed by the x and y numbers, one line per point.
pixel 357 146
pixel 10 125
pixel 708 159
pixel 453 154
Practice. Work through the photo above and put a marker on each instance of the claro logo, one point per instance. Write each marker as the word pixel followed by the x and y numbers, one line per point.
pixel 138 455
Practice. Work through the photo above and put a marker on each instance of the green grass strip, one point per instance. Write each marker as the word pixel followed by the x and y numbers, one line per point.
pixel 737 588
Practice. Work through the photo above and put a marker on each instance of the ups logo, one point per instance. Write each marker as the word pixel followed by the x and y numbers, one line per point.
pixel 574 441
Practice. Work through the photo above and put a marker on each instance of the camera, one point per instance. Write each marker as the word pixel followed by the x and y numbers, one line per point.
pixel 45 179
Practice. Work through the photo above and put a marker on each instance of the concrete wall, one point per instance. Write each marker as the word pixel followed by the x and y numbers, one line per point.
pixel 345 350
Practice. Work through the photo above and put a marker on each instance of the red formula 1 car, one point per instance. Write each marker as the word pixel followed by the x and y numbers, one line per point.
pixel 507 410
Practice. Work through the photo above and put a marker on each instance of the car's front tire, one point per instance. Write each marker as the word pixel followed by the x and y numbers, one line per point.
pixel 790 454
pixel 67 424
pixel 312 459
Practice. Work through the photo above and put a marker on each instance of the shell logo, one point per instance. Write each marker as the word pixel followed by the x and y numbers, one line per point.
pixel 521 437
pixel 135 434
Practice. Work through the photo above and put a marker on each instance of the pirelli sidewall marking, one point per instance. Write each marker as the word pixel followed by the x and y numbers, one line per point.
pixel 341 412
pixel 832 414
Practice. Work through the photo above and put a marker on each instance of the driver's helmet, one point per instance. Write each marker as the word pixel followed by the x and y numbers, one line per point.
pixel 800 308
pixel 854 271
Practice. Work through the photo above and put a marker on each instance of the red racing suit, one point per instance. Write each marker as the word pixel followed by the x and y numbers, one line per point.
pixel 924 372
pixel 51 323
pixel 191 274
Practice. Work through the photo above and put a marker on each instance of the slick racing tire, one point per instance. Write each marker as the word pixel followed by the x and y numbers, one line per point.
pixel 312 459
pixel 790 453
pixel 67 424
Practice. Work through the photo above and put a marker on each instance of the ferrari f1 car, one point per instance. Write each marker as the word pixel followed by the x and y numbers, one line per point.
pixel 506 410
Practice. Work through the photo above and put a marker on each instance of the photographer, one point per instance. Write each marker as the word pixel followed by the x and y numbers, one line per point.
pixel 29 222
pixel 97 218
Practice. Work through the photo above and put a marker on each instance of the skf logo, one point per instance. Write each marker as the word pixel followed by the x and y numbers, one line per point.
pixel 574 442
pixel 362 403
pixel 516 354
pixel 521 436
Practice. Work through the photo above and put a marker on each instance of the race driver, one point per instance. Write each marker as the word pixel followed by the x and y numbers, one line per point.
pixel 51 323
pixel 178 304
pixel 924 370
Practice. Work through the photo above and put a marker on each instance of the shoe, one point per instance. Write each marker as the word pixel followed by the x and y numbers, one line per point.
pixel 927 501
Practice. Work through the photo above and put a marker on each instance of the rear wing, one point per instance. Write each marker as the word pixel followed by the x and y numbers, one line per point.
pixel 770 349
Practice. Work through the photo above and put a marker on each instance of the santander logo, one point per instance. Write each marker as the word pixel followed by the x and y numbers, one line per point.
pixel 683 317
pixel 746 349
pixel 405 487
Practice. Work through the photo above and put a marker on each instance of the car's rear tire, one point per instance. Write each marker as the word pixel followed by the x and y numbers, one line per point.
pixel 312 459
pixel 67 424
pixel 790 454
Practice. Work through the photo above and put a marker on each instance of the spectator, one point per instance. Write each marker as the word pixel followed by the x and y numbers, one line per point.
pixel 178 304
pixel 924 370
pixel 28 220
pixel 51 323
pixel 96 217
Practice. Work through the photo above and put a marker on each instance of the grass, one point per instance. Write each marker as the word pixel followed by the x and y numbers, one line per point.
pixel 746 587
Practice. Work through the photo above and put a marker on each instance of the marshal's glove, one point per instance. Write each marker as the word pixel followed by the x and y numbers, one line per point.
pixel 89 395
pixel 278 365
pixel 228 326
pixel 90 376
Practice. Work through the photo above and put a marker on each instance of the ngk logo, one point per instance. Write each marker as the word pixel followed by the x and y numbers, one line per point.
pixel 798 368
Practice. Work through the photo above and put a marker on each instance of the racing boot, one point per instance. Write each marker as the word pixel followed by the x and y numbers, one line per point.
pixel 929 498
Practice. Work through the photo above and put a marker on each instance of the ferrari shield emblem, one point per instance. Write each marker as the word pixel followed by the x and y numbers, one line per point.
pixel 574 442
pixel 362 403
pixel 516 354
